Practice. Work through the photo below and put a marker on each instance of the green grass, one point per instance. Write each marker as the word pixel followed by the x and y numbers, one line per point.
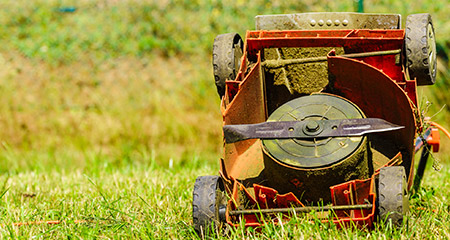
pixel 108 115
pixel 155 202
pixel 131 202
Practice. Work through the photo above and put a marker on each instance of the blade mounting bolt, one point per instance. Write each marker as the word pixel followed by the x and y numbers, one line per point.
pixel 312 126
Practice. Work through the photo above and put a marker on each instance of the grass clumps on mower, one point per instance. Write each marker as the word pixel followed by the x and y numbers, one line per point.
pixel 303 78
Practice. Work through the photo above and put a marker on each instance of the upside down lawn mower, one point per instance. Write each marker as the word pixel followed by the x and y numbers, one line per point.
pixel 320 113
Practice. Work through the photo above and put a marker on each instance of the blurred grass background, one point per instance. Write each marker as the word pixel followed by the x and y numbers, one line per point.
pixel 119 83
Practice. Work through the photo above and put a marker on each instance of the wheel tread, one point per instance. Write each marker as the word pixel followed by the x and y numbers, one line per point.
pixel 392 197
pixel 223 59
pixel 416 53
pixel 204 203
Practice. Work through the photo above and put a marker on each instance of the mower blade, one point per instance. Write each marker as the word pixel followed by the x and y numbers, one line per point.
pixel 359 127
pixel 302 129
pixel 236 133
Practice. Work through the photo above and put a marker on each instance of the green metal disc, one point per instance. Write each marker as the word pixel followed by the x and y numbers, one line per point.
pixel 318 152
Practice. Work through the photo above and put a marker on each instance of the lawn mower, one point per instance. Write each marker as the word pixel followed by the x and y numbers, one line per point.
pixel 320 114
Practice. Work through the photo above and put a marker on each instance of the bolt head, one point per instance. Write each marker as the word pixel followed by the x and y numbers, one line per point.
pixel 312 126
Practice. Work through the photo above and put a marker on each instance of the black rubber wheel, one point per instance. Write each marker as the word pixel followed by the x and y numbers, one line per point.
pixel 208 205
pixel 420 45
pixel 227 52
pixel 393 199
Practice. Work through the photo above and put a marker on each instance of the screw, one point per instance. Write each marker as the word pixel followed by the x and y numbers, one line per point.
pixel 312 126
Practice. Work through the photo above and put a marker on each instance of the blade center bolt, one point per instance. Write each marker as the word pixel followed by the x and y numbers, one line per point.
pixel 312 126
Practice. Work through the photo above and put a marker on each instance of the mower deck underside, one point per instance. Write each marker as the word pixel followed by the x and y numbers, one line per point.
pixel 254 181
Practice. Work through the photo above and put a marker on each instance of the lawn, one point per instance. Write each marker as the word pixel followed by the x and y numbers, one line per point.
pixel 109 113
pixel 142 201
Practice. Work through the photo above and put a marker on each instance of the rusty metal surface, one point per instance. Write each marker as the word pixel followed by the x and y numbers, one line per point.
pixel 355 192
pixel 353 41
pixel 302 209
pixel 353 204
pixel 328 20
pixel 311 185
pixel 377 85
pixel 244 159
pixel 378 96
pixel 285 62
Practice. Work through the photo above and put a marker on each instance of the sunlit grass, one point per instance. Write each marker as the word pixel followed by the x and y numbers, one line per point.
pixel 155 202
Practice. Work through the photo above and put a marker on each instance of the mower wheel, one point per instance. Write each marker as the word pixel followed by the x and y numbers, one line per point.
pixel 208 205
pixel 393 199
pixel 420 45
pixel 227 53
